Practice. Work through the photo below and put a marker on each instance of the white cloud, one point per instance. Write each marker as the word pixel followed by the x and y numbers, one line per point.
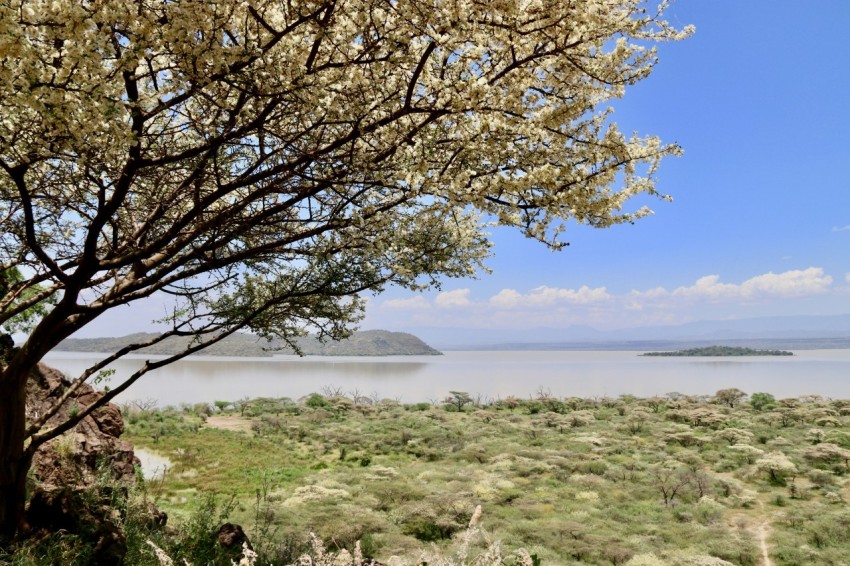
pixel 847 277
pixel 417 302
pixel 508 298
pixel 708 287
pixel 545 296
pixel 841 228
pixel 794 283
pixel 654 293
pixel 452 299
pixel 707 297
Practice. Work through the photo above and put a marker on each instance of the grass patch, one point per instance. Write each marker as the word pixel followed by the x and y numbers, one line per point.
pixel 594 481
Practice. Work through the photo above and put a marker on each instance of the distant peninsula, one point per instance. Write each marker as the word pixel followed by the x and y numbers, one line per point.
pixel 361 343
pixel 720 351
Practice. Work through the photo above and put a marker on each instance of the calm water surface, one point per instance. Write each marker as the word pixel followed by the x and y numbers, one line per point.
pixel 490 374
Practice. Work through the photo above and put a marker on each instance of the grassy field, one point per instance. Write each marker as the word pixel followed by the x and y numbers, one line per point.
pixel 675 480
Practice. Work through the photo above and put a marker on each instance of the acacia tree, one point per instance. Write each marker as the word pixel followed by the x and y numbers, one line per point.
pixel 262 163
pixel 730 397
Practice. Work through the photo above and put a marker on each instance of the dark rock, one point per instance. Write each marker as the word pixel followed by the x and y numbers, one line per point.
pixel 232 536
pixel 70 510
pixel 157 519
pixel 109 421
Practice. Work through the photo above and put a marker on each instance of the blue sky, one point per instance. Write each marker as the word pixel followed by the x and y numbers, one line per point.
pixel 760 221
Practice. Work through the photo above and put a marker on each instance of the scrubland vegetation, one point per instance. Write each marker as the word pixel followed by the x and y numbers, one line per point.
pixel 662 480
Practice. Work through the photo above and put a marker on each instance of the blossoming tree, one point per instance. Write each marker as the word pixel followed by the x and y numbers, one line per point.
pixel 262 163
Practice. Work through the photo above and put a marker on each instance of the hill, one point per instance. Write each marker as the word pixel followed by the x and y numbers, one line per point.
pixel 362 343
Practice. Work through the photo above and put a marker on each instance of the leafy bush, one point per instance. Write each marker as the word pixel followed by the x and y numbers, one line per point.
pixel 316 401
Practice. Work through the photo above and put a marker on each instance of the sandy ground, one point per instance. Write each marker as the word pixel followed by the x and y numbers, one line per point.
pixel 761 534
pixel 229 422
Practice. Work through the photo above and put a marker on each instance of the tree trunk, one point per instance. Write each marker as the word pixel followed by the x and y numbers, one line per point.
pixel 14 463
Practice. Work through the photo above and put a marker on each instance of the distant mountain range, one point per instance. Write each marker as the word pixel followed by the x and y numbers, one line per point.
pixel 362 343
pixel 788 332
pixel 785 332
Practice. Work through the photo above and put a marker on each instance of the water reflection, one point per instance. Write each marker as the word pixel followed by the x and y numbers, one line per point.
pixel 490 374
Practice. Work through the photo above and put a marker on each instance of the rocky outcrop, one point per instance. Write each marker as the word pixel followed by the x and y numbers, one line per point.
pixel 82 474
pixel 91 448
pixel 83 478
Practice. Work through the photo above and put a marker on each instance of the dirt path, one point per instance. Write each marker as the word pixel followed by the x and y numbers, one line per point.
pixel 762 533
pixel 229 422
pixel 757 525
pixel 756 521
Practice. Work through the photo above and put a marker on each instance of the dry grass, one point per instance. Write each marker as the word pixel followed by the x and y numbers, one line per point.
pixel 229 422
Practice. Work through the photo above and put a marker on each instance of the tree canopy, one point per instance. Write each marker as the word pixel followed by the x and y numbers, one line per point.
pixel 264 162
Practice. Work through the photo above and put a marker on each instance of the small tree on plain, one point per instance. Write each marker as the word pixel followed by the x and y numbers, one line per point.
pixel 458 399
pixel 730 397
pixel 669 479
pixel 777 465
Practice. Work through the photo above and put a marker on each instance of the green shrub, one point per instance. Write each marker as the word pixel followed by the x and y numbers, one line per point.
pixel 762 401
pixel 202 409
pixel 316 401
pixel 595 467
pixel 428 531
pixel 197 542
pixel 55 548
pixel 370 545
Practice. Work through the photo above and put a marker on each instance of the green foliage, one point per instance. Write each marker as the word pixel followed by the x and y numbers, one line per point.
pixel 457 400
pixel 55 548
pixel 316 401
pixel 762 401
pixel 197 542
pixel 582 483
pixel 427 531
pixel 23 321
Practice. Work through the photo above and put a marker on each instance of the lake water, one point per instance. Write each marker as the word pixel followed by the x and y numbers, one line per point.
pixel 491 374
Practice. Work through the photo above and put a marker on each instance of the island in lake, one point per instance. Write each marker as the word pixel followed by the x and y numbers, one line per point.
pixel 720 351
pixel 361 343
